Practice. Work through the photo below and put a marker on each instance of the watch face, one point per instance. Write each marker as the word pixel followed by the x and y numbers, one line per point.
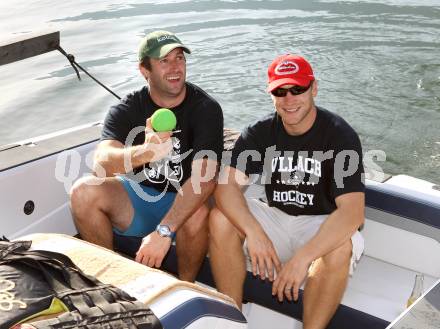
pixel 163 230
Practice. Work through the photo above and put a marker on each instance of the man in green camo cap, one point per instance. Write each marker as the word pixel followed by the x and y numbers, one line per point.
pixel 137 210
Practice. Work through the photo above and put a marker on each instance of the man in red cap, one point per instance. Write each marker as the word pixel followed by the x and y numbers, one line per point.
pixel 305 228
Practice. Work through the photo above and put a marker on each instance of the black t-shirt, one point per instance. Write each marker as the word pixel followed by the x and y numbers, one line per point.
pixel 302 174
pixel 199 133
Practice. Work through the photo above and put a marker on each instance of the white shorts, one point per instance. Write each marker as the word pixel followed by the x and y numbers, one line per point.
pixel 289 233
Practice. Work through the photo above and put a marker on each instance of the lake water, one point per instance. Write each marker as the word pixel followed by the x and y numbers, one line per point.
pixel 378 64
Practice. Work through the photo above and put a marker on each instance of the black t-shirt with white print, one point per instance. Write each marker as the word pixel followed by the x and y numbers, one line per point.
pixel 302 174
pixel 199 132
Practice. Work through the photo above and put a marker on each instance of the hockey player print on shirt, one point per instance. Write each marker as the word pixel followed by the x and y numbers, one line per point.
pixel 169 168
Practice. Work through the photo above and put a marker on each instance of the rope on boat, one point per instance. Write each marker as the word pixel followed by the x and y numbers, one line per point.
pixel 75 66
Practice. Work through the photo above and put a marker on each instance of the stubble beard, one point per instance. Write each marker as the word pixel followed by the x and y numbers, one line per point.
pixel 163 89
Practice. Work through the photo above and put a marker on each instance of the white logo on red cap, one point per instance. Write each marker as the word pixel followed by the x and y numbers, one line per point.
pixel 286 67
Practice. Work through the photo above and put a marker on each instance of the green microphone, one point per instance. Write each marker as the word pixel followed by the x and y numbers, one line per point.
pixel 163 120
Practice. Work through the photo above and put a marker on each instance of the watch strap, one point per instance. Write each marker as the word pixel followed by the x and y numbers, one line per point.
pixel 168 233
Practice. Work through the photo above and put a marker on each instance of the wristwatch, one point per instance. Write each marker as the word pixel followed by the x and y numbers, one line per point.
pixel 165 231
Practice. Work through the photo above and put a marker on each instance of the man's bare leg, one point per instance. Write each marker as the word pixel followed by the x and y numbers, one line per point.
pixel 226 256
pixel 192 244
pixel 325 287
pixel 96 208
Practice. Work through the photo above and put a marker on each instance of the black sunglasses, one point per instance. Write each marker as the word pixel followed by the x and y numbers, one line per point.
pixel 295 90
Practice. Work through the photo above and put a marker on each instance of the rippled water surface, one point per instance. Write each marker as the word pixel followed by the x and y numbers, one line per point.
pixel 378 64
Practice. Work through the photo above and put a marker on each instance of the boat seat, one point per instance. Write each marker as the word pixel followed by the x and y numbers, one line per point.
pixel 376 293
pixel 369 289
pixel 380 288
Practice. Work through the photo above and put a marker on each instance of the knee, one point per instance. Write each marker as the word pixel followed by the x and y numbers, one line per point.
pixel 339 257
pixel 83 192
pixel 197 223
pixel 201 215
pixel 219 225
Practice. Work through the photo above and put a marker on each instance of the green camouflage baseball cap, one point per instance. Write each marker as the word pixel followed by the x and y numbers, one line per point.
pixel 158 44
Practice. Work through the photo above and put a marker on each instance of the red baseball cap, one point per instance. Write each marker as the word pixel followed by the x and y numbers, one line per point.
pixel 289 70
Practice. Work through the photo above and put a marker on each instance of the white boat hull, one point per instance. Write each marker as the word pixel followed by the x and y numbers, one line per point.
pixel 396 238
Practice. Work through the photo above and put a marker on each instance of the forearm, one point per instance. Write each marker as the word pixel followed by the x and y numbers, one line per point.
pixel 186 203
pixel 114 161
pixel 112 158
pixel 338 228
pixel 232 203
pixel 193 193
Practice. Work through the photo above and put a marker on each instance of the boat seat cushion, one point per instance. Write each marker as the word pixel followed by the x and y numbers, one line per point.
pixel 112 268
pixel 377 288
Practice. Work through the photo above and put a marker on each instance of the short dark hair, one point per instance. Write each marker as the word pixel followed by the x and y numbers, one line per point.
pixel 146 63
